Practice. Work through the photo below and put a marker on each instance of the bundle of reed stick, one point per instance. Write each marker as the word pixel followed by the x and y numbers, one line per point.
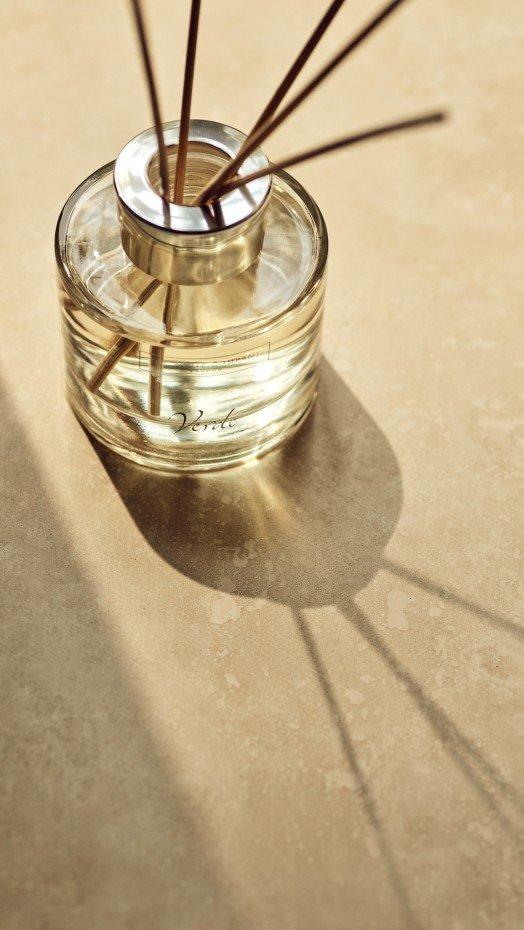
pixel 273 114
pixel 227 179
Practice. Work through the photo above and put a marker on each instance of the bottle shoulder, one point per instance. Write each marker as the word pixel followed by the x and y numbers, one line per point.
pixel 100 279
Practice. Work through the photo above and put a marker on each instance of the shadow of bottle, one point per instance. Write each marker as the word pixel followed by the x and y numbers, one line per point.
pixel 99 830
pixel 303 526
pixel 306 526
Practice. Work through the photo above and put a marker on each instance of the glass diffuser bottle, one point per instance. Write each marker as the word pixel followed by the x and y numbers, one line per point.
pixel 191 333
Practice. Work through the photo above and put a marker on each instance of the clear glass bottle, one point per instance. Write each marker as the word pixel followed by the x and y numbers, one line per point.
pixel 191 334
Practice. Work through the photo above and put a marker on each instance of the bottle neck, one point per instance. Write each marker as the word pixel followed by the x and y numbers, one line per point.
pixel 178 243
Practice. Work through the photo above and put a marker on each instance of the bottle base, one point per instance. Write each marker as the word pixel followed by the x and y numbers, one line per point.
pixel 200 457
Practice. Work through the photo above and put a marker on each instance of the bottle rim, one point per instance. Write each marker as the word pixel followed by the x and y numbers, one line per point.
pixel 87 301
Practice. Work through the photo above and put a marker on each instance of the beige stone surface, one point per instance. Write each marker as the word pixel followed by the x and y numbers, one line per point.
pixel 284 697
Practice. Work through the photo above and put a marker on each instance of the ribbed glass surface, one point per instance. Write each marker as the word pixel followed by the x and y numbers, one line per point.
pixel 231 374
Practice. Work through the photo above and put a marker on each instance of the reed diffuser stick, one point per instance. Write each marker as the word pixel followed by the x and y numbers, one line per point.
pixel 344 142
pixel 153 96
pixel 212 189
pixel 156 353
pixel 297 66
pixel 123 346
pixel 156 364
pixel 178 190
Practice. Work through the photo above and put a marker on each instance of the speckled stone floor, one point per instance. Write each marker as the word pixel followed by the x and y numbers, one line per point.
pixel 285 697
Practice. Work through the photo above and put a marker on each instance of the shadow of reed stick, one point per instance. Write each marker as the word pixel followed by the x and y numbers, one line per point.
pixel 447 595
pixel 348 749
pixel 463 751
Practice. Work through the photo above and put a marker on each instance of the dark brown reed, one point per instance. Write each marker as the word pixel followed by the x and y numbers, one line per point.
pixel 297 66
pixel 156 353
pixel 224 181
pixel 212 189
pixel 122 346
pixel 178 189
pixel 153 95
pixel 344 142
pixel 156 364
